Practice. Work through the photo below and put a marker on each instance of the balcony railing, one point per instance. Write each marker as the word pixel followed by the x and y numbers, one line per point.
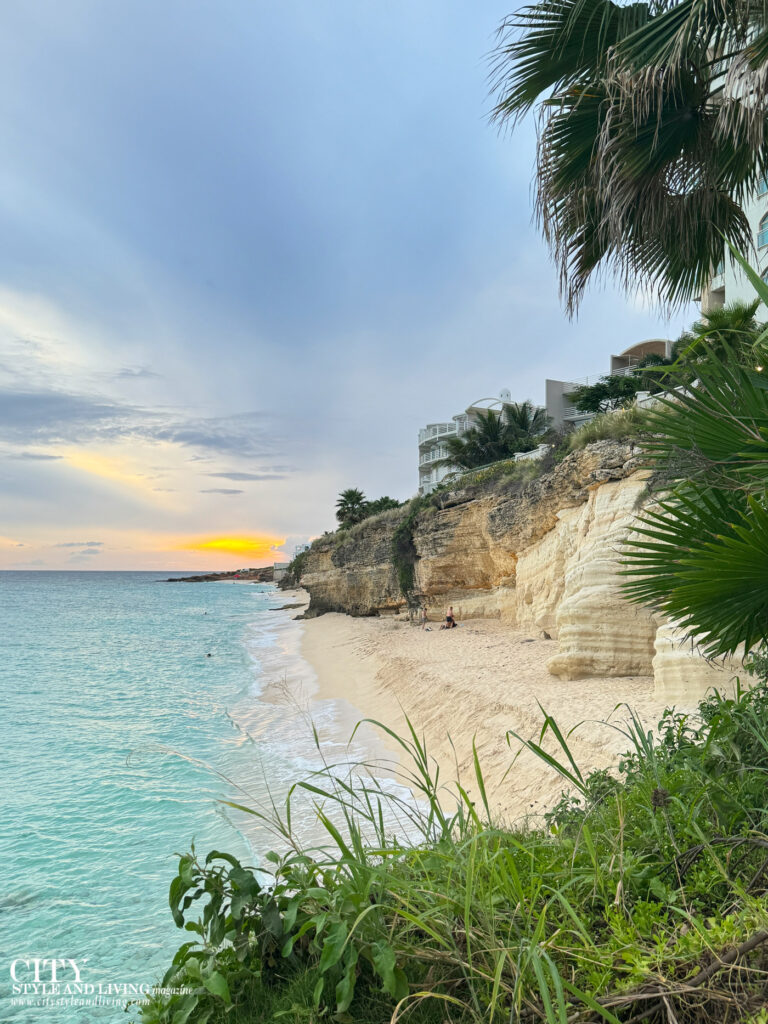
pixel 434 456
pixel 437 430
pixel 762 237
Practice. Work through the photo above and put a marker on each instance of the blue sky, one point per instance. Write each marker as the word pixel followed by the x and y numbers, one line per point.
pixel 249 249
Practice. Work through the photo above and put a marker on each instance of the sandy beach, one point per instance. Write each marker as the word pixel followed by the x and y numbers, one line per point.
pixel 475 682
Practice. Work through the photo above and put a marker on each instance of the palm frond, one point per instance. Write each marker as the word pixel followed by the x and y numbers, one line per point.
pixel 701 558
pixel 646 158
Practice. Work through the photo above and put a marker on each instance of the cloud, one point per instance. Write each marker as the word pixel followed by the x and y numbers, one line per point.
pixel 36 456
pixel 135 373
pixel 222 490
pixel 81 544
pixel 244 435
pixel 47 416
pixel 84 555
pixel 248 476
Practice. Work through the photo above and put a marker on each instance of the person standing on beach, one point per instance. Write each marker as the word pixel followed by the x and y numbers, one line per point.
pixel 424 617
pixel 450 618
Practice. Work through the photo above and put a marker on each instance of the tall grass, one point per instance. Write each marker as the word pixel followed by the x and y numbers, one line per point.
pixel 619 425
pixel 641 897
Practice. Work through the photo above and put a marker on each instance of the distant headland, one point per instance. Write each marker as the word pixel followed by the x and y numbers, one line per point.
pixel 264 575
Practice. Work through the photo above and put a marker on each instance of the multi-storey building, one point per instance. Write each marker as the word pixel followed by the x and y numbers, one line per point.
pixel 729 282
pixel 561 411
pixel 432 449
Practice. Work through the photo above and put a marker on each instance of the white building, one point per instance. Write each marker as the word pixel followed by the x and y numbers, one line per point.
pixel 432 449
pixel 729 282
pixel 559 407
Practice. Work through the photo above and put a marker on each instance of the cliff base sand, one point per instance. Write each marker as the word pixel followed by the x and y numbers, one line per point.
pixel 475 682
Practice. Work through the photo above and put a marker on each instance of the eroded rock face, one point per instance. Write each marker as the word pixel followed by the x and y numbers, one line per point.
pixel 596 628
pixel 681 675
pixel 540 556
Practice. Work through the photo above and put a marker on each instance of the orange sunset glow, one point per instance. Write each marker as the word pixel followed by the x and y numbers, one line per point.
pixel 253 548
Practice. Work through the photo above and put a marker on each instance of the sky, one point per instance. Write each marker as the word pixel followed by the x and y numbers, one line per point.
pixel 248 250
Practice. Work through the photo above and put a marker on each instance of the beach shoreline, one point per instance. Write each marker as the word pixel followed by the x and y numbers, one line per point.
pixel 472 686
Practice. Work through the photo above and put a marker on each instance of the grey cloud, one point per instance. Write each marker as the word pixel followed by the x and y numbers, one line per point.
pixel 82 556
pixel 36 456
pixel 164 490
pixel 248 476
pixel 135 373
pixel 81 544
pixel 47 416
pixel 227 435
pixel 222 490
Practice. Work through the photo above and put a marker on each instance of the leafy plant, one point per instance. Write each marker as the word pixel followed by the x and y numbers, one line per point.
pixel 610 392
pixel 700 555
pixel 637 896
pixel 297 567
pixel 404 554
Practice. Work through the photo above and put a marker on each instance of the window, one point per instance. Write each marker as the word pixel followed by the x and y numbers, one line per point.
pixel 762 234
pixel 762 187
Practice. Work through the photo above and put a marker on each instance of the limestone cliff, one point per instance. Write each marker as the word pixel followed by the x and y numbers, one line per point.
pixel 539 555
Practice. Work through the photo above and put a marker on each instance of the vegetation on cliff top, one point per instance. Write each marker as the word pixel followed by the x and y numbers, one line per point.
pixel 353 507
pixel 518 427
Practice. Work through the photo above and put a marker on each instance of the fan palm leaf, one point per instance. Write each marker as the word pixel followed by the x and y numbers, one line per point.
pixel 701 558
pixel 652 133
pixel 700 555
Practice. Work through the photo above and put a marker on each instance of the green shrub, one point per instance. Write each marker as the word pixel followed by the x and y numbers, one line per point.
pixel 621 425
pixel 404 556
pixel 296 568
pixel 630 902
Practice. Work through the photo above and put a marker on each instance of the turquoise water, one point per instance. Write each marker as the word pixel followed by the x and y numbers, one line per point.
pixel 113 718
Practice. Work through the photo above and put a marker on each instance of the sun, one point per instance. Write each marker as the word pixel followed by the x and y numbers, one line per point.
pixel 255 547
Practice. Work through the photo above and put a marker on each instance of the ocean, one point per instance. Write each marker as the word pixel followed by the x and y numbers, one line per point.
pixel 121 736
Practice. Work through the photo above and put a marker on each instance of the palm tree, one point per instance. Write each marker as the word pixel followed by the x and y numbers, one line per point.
pixel 497 435
pixel 526 419
pixel 351 507
pixel 700 555
pixel 734 326
pixel 653 133
pixel 486 441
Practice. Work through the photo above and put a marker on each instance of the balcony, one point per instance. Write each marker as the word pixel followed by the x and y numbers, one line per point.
pixel 437 430
pixel 434 456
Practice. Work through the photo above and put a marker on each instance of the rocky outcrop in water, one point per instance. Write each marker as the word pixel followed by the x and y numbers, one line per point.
pixel 542 555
